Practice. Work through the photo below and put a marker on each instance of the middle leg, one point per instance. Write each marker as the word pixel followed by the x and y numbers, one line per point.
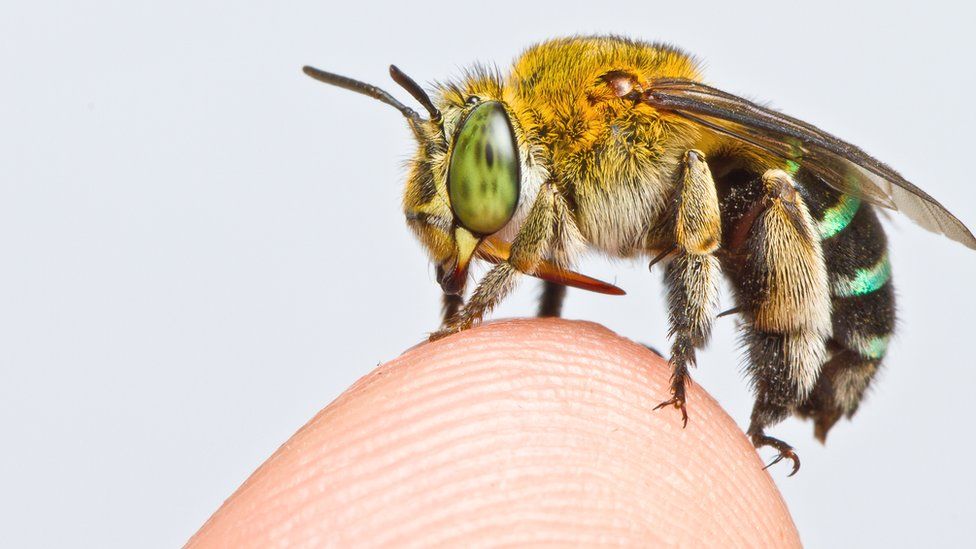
pixel 692 274
pixel 534 240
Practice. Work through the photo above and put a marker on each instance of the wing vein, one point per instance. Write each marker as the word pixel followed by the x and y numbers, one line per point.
pixel 835 162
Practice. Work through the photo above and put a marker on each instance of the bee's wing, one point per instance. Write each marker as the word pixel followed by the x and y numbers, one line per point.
pixel 838 163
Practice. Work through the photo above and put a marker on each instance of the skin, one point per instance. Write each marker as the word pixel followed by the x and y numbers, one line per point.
pixel 518 432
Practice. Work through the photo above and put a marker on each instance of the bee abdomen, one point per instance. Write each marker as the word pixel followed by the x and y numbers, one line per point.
pixel 855 252
pixel 856 255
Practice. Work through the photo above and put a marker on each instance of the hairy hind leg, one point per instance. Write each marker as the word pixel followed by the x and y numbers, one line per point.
pixel 782 289
pixel 774 359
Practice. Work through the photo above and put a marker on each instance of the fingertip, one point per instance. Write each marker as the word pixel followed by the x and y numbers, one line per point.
pixel 516 431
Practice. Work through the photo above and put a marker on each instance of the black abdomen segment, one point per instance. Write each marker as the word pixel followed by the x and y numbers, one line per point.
pixel 863 318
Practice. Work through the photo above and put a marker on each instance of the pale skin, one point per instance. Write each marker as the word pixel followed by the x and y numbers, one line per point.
pixel 523 432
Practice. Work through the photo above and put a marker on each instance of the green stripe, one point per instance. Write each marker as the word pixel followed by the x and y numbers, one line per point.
pixel 796 156
pixel 792 166
pixel 864 281
pixel 839 216
pixel 873 347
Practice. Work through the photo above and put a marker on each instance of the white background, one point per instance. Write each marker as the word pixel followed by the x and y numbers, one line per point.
pixel 200 247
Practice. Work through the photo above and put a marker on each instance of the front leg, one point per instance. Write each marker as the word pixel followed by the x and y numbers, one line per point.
pixel 530 246
pixel 450 303
pixel 551 300
pixel 693 273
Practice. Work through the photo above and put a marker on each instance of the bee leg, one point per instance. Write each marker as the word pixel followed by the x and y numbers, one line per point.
pixel 565 239
pixel 551 300
pixel 693 272
pixel 531 244
pixel 776 393
pixel 692 282
pixel 450 303
pixel 782 291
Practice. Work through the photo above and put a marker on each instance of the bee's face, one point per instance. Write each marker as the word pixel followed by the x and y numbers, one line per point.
pixel 466 180
pixel 472 169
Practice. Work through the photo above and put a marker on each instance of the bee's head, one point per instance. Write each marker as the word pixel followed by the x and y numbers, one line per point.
pixel 469 173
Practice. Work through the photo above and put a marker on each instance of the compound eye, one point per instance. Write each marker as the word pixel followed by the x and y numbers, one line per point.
pixel 483 177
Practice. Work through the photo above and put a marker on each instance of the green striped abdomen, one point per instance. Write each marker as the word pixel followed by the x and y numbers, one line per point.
pixel 856 255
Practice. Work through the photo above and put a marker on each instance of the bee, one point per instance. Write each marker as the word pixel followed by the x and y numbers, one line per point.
pixel 617 145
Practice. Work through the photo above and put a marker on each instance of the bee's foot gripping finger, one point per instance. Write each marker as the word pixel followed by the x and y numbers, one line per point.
pixel 441 334
pixel 451 329
pixel 784 449
pixel 498 422
pixel 678 403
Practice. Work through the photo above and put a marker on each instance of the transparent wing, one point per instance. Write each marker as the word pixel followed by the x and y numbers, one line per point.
pixel 841 165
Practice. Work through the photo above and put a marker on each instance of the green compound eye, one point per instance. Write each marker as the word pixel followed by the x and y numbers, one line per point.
pixel 483 178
